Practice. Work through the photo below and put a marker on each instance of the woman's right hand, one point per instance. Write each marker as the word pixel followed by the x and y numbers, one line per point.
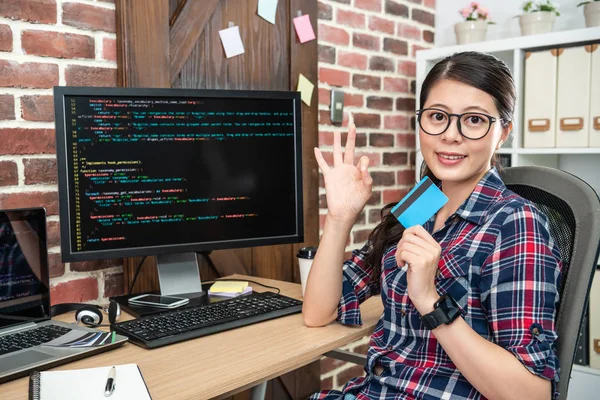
pixel 347 186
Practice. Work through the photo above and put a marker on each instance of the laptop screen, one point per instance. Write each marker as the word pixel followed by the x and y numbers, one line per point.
pixel 24 280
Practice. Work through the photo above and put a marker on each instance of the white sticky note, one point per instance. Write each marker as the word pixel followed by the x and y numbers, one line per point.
pixel 304 28
pixel 267 9
pixel 232 42
pixel 305 87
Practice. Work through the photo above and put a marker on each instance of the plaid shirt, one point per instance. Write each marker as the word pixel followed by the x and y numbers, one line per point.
pixel 502 267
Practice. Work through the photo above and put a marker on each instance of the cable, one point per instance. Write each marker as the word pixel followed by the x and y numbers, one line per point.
pixel 137 271
pixel 247 280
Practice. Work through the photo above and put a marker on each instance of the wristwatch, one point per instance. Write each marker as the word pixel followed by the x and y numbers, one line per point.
pixel 445 311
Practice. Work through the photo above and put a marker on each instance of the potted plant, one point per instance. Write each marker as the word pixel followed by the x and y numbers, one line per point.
pixel 474 27
pixel 539 17
pixel 591 10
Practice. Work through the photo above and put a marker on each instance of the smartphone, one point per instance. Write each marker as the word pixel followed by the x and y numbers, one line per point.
pixel 155 300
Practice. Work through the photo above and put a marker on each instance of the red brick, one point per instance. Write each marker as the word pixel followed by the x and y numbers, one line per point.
pixel 383 178
pixel 58 45
pixel 429 3
pixel 381 140
pixel 326 54
pixel 57 268
pixel 9 175
pixel 380 103
pixel 361 349
pixel 109 49
pixel 324 96
pixel 428 36
pixel 53 228
pixel 361 219
pixel 405 140
pixel 423 17
pixel 334 77
pixel 79 75
pixel 366 82
pixel 42 11
pixel 365 41
pixel 395 122
pixel 40 171
pixel 398 158
pixel 393 8
pixel 326 138
pixel 327 384
pixel 374 158
pixel 371 5
pixel 392 195
pixel 324 12
pixel 367 120
pixel 405 177
pixel 381 25
pixel 350 18
pixel 330 34
pixel 353 100
pixel 352 60
pixel 90 17
pixel 361 236
pixel 324 118
pixel 375 198
pixel 6 38
pixel 352 372
pixel 408 68
pixel 406 31
pixel 395 85
pixel 374 216
pixel 330 364
pixel 405 104
pixel 7 106
pixel 415 48
pixel 28 74
pixel 322 218
pixel 378 63
pixel 86 266
pixel 322 201
pixel 49 200
pixel 114 285
pixel 37 108
pixel 27 141
pixel 399 47
pixel 75 291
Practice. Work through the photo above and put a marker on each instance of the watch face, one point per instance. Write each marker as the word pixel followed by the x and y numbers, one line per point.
pixel 448 305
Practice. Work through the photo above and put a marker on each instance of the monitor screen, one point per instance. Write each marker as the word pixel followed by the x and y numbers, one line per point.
pixel 158 171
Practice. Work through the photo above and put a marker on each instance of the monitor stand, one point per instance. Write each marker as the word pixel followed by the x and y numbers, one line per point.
pixel 179 275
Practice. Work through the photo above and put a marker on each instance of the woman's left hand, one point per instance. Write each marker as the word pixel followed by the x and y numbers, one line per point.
pixel 421 252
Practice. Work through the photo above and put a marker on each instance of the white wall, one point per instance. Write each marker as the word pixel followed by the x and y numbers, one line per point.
pixel 502 12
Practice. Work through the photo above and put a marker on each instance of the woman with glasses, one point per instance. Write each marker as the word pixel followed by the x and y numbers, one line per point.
pixel 470 297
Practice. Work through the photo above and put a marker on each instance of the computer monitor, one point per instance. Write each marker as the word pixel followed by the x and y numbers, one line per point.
pixel 173 172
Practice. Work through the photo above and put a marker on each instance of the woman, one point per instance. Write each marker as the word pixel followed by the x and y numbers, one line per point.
pixel 487 249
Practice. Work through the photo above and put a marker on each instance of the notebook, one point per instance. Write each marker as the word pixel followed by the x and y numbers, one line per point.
pixel 88 384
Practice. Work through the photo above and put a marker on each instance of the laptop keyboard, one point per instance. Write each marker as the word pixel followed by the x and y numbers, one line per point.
pixel 30 338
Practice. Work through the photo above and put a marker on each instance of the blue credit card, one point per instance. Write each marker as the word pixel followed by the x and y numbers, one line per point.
pixel 423 201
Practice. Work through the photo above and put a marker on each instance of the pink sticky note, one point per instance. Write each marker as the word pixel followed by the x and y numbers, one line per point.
pixel 304 28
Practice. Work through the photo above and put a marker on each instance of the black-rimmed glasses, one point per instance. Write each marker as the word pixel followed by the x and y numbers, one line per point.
pixel 471 125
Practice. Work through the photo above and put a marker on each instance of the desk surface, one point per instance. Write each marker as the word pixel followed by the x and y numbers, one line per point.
pixel 226 363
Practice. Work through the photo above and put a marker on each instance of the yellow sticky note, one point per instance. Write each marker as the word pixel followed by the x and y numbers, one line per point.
pixel 228 287
pixel 305 87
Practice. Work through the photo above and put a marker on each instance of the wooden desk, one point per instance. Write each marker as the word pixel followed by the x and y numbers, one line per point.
pixel 226 363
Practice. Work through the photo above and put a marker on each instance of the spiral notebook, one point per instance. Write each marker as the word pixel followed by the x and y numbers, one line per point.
pixel 88 384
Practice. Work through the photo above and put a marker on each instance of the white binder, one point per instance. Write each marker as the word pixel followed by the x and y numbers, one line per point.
pixel 539 128
pixel 594 317
pixel 573 97
pixel 595 97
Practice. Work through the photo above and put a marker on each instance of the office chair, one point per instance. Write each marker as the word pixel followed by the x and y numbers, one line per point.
pixel 573 209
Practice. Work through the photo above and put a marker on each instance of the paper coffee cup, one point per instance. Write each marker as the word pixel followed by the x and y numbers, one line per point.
pixel 305 255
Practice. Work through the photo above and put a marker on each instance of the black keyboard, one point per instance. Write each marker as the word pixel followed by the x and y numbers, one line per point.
pixel 29 338
pixel 182 324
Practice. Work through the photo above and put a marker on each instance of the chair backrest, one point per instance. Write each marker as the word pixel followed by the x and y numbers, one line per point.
pixel 573 208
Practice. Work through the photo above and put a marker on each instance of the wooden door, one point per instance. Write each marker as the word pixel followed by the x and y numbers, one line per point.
pixel 176 44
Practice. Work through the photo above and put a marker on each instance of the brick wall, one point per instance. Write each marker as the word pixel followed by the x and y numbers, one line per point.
pixel 367 48
pixel 46 43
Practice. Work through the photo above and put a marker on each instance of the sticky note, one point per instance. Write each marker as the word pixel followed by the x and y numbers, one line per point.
pixel 232 42
pixel 423 201
pixel 267 9
pixel 228 286
pixel 304 29
pixel 305 87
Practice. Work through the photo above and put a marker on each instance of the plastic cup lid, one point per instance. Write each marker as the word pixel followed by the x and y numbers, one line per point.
pixel 307 252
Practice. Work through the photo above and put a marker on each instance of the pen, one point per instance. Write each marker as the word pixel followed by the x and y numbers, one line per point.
pixel 110 382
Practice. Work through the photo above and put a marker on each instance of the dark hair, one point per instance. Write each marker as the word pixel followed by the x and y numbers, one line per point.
pixel 480 70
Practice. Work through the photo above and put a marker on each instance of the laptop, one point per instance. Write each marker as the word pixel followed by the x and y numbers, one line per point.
pixel 25 323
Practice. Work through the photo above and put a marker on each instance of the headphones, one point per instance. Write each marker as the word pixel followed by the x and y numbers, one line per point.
pixel 88 314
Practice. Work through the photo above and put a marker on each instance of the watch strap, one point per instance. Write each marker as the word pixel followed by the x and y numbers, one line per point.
pixel 434 319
